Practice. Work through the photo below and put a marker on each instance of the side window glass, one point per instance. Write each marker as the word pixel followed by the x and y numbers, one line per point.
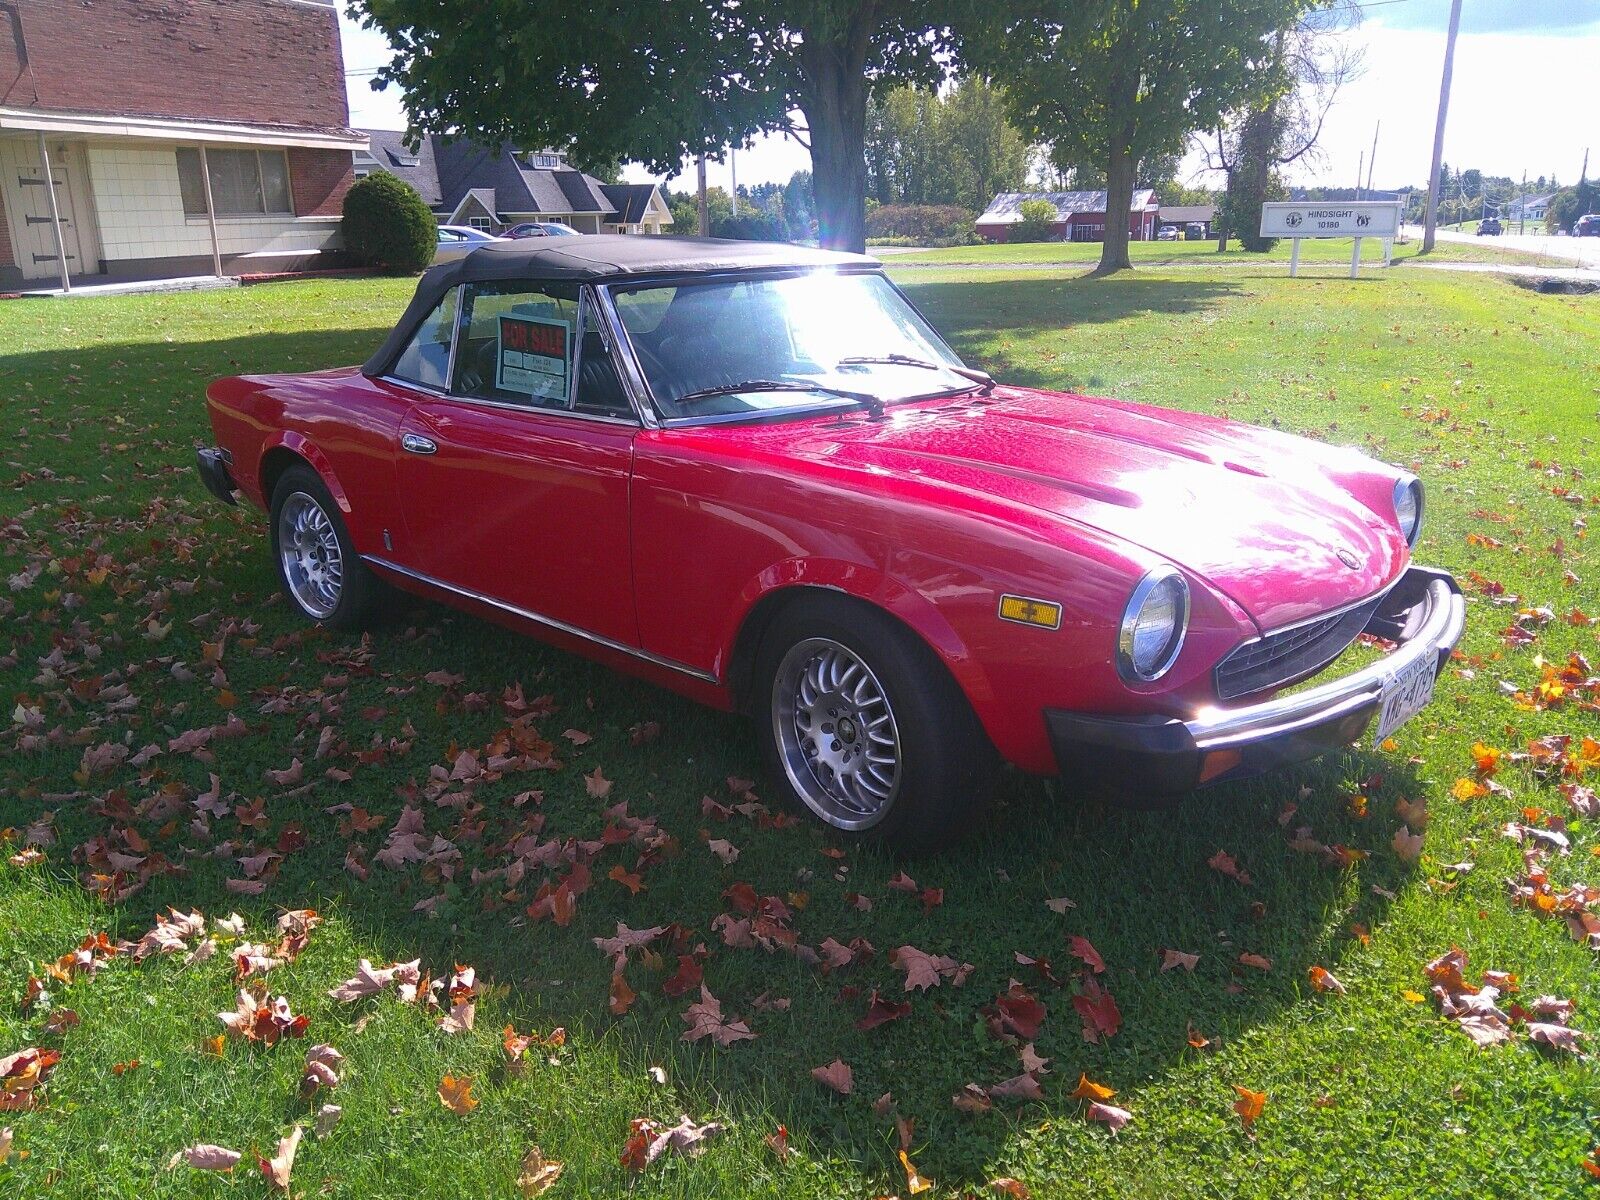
pixel 426 359
pixel 517 343
pixel 600 391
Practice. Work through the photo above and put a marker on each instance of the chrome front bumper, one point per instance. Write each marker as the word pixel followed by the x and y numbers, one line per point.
pixel 1148 760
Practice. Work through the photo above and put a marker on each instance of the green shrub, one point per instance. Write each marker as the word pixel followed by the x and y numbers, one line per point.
pixel 1038 222
pixel 387 225
pixel 923 224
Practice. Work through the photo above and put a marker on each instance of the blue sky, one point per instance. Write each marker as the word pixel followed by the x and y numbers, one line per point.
pixel 1523 97
pixel 1487 16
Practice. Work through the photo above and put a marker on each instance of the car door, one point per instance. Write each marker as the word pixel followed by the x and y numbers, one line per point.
pixel 514 478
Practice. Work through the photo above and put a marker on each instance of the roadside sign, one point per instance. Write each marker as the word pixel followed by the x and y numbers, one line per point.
pixel 1337 219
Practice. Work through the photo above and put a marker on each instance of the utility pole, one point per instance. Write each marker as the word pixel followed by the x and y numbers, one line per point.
pixel 704 212
pixel 1372 158
pixel 733 177
pixel 1438 129
pixel 1361 162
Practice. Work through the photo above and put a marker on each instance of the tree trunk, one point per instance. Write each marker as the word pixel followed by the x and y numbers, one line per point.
pixel 835 107
pixel 1121 167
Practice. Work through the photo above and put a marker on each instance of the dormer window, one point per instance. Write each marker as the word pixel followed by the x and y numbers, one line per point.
pixel 546 160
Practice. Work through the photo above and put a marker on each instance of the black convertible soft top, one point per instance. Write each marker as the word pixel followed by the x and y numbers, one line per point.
pixel 595 257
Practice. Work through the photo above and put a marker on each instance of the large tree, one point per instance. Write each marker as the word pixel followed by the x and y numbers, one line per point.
pixel 656 83
pixel 1311 61
pixel 959 147
pixel 1120 81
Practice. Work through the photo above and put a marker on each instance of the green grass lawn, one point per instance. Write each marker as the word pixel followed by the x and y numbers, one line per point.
pixel 137 610
pixel 1204 254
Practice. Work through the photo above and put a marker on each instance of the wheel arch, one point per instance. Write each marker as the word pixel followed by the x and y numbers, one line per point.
pixel 906 608
pixel 283 452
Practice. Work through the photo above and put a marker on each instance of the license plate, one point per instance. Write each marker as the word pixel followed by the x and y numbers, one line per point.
pixel 1404 696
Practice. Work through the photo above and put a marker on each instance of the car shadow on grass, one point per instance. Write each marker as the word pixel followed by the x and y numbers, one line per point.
pixel 1138 881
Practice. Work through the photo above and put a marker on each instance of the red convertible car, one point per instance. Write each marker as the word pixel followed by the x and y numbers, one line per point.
pixel 756 475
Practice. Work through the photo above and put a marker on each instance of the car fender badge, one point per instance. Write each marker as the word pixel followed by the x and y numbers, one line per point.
pixel 1025 610
pixel 1347 558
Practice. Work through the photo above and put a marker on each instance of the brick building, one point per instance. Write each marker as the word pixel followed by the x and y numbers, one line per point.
pixel 1080 216
pixel 182 137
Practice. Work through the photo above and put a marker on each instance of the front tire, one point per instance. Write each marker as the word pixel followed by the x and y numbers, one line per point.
pixel 865 731
pixel 318 567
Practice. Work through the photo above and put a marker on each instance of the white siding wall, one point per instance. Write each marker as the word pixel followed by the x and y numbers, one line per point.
pixel 140 211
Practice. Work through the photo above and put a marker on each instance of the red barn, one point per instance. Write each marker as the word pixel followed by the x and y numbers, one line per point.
pixel 1080 216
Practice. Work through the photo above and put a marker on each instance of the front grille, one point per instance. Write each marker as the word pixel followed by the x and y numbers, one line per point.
pixel 1292 653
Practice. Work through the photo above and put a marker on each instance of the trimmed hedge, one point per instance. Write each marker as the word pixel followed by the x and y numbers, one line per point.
pixel 924 224
pixel 387 225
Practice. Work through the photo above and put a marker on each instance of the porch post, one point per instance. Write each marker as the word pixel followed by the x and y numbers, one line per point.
pixel 211 213
pixel 55 214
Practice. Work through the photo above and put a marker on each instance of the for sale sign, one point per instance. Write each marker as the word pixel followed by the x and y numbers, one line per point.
pixel 534 357
pixel 1341 219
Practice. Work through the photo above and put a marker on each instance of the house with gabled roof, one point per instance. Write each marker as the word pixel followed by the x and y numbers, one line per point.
pixel 494 188
pixel 144 139
pixel 1080 216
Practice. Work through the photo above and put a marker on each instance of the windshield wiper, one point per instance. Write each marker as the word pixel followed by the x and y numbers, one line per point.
pixel 873 404
pixel 906 360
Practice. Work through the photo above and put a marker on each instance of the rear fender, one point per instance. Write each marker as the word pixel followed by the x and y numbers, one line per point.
pixel 303 447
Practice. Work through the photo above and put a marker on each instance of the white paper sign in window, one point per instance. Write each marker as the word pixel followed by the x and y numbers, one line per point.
pixel 534 356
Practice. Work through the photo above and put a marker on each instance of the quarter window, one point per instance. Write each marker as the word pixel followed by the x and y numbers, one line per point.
pixel 426 358
pixel 243 182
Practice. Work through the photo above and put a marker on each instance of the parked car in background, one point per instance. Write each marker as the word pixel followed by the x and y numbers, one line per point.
pixel 1490 227
pixel 1587 225
pixel 457 241
pixel 756 475
pixel 1169 233
pixel 538 229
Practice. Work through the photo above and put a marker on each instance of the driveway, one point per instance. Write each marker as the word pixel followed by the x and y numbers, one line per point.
pixel 1578 252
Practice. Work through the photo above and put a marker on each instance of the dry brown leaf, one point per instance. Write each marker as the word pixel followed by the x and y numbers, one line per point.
pixel 836 1075
pixel 455 1093
pixel 537 1174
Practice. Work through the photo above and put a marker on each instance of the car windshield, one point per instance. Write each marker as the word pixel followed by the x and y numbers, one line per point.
pixel 732 347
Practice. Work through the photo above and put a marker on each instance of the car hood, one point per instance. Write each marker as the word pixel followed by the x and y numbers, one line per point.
pixel 1272 521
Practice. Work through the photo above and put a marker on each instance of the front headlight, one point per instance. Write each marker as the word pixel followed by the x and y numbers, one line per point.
pixel 1408 507
pixel 1153 625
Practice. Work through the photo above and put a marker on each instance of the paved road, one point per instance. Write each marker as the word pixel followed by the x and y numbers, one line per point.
pixel 1581 252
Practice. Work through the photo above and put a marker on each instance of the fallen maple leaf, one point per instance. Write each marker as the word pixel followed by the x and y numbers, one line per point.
pixel 836 1075
pixel 1222 862
pixel 706 1020
pixel 1015 1013
pixel 1115 1118
pixel 1557 1037
pixel 1407 845
pixel 688 976
pixel 972 1099
pixel 1249 1105
pixel 597 785
pixel 648 1140
pixel 1087 1089
pixel 1082 948
pixel 1172 959
pixel 924 971
pixel 455 1093
pixel 1323 980
pixel 1259 961
pixel 1095 1005
pixel 537 1174
pixel 278 1167
pixel 914 1183
pixel 206 1157
pixel 778 1143
pixel 881 1011
pixel 1007 1186
pixel 622 996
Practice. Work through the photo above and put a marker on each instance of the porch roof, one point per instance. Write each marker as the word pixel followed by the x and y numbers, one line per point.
pixel 180 129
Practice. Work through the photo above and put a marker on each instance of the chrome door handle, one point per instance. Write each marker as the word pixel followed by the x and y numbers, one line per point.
pixel 417 444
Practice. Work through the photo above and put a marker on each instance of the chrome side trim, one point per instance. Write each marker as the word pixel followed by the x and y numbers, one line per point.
pixel 541 619
pixel 1441 629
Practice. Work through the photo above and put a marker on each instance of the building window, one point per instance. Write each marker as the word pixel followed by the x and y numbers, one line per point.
pixel 482 223
pixel 244 183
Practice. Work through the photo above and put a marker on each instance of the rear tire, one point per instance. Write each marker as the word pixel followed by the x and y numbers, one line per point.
pixel 318 567
pixel 864 730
